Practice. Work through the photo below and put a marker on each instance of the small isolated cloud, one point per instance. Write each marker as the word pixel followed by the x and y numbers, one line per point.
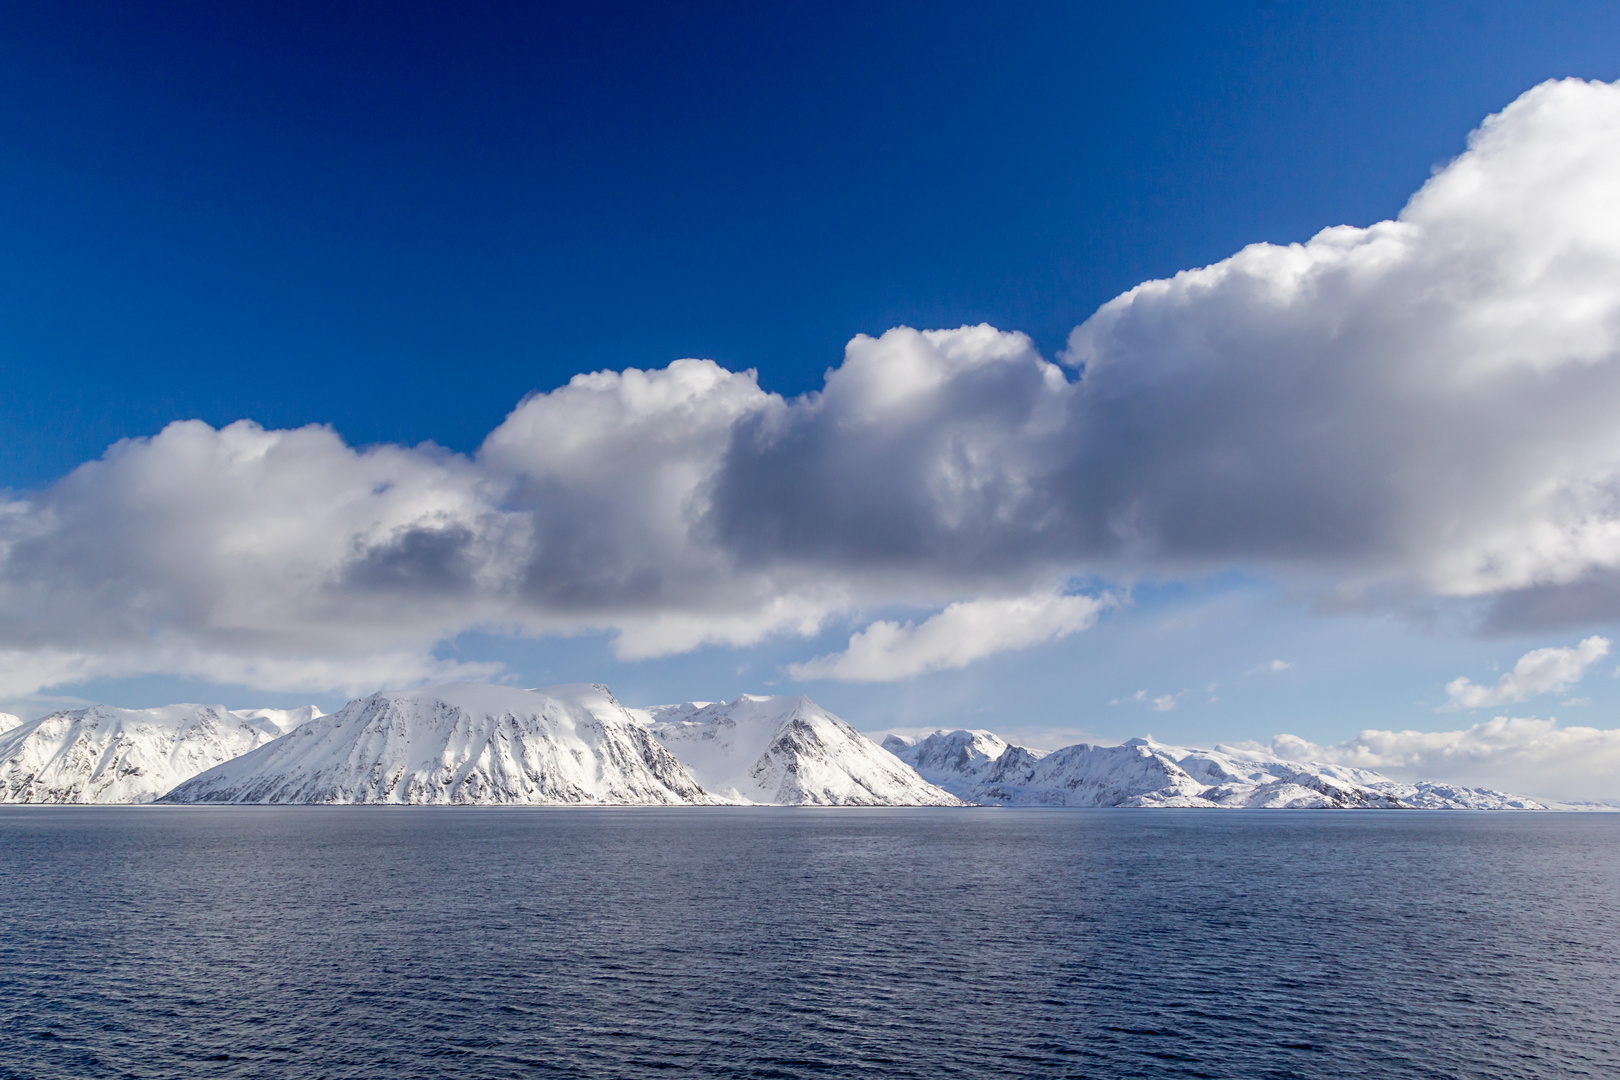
pixel 1540 671
pixel 1269 668
pixel 1164 702
pixel 964 632
pixel 1528 755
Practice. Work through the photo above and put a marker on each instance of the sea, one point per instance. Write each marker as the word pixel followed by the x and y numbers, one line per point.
pixel 394 942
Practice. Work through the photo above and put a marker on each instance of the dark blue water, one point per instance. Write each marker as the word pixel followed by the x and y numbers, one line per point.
pixel 358 942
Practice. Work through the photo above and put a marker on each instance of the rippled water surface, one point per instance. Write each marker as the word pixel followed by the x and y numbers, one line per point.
pixel 388 942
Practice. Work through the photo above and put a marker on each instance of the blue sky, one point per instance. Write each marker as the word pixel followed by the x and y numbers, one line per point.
pixel 399 220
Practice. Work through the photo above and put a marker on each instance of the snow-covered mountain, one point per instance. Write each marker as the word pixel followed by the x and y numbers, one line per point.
pixel 787 751
pixel 953 760
pixel 107 755
pixel 465 743
pixel 576 744
pixel 1143 772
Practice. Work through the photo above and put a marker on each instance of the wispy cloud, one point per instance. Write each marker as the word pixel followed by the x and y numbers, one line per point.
pixel 964 632
pixel 1541 671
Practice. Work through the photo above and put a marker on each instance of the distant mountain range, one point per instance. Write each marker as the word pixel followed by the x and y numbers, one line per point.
pixel 980 767
pixel 479 744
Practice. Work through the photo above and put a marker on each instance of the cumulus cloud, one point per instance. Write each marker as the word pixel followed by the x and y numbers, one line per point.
pixel 1527 755
pixel 964 632
pixel 286 559
pixel 1540 671
pixel 1425 404
pixel 1422 407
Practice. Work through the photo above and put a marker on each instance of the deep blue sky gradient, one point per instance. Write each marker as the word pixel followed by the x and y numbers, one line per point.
pixel 399 218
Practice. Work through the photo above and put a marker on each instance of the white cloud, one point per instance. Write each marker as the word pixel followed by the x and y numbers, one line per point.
pixel 1427 401
pixel 964 632
pixel 1527 755
pixel 1164 702
pixel 1540 671
pixel 1423 407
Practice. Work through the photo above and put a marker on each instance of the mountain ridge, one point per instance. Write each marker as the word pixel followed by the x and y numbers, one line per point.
pixel 1148 773
pixel 106 754
pixel 467 744
pixel 576 744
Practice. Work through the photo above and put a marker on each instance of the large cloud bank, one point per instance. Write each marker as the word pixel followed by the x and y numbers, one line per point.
pixel 1425 407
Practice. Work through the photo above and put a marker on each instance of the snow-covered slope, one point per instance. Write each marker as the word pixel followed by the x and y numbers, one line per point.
pixel 787 751
pixel 1143 772
pixel 466 743
pixel 1256 778
pixel 9 721
pixel 106 755
pixel 953 760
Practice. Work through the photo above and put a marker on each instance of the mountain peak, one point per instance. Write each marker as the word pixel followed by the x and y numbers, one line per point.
pixel 788 750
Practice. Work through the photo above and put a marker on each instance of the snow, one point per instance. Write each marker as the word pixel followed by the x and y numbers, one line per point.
pixel 104 754
pixel 1144 772
pixel 786 751
pixel 466 743
pixel 576 744
pixel 284 720
pixel 953 760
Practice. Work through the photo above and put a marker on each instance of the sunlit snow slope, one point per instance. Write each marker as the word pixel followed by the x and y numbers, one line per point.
pixel 787 751
pixel 1143 772
pixel 466 743
pixel 107 755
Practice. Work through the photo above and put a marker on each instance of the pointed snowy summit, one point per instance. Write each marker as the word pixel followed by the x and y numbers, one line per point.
pixel 787 751
pixel 953 760
pixel 466 744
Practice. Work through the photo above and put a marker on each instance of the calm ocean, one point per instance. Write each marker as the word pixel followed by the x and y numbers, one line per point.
pixel 388 942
